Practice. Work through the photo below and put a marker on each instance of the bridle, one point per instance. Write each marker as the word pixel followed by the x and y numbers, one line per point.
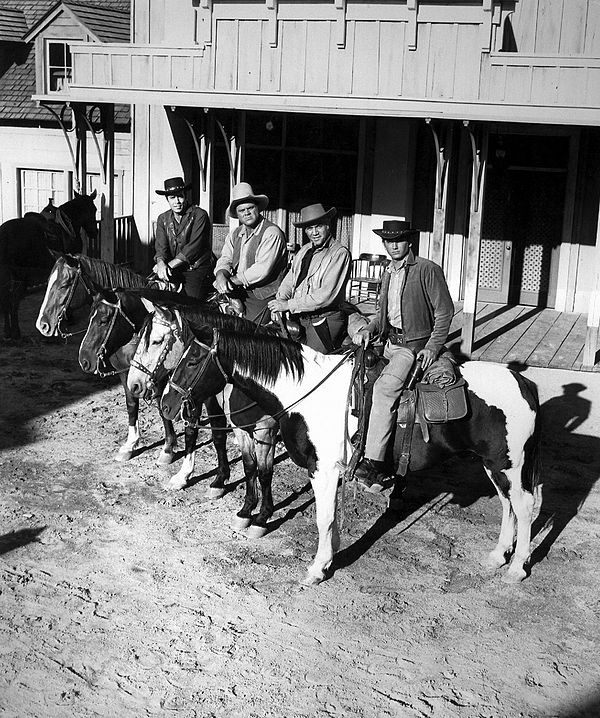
pixel 101 353
pixel 175 333
pixel 188 405
pixel 79 277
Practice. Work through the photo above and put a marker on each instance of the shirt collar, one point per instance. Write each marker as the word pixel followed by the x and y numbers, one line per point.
pixel 247 232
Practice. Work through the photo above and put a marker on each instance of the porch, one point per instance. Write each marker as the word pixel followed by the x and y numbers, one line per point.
pixel 528 335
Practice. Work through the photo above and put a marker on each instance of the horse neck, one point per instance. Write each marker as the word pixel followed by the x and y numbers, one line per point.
pixel 287 389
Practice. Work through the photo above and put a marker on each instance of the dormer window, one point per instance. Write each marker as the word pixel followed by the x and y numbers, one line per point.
pixel 59 65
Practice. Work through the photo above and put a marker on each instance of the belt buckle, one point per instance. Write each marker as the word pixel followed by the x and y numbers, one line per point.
pixel 396 338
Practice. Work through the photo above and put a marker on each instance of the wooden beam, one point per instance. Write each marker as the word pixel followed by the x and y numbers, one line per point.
pixel 442 139
pixel 592 337
pixel 272 14
pixel 473 250
pixel 107 195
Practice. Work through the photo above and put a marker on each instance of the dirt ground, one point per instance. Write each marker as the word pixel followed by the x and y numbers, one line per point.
pixel 120 599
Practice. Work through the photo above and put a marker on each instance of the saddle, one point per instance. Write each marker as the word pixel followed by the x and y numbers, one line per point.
pixel 440 396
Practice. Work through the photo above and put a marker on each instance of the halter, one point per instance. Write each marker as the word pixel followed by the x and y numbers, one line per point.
pixel 101 353
pixel 188 405
pixel 174 334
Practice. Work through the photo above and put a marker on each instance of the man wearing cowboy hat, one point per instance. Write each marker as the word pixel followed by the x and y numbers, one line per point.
pixel 254 256
pixel 183 242
pixel 413 319
pixel 315 286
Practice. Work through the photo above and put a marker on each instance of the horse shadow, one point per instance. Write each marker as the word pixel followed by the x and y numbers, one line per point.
pixel 462 481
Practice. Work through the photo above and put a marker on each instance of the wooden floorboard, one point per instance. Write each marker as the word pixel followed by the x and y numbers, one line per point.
pixel 506 338
pixel 500 319
pixel 572 347
pixel 546 350
pixel 533 337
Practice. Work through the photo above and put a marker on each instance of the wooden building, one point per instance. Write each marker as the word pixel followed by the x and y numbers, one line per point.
pixel 476 119
pixel 43 150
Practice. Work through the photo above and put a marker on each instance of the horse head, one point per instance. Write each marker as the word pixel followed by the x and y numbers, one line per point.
pixel 66 289
pixel 197 375
pixel 81 212
pixel 111 330
pixel 162 341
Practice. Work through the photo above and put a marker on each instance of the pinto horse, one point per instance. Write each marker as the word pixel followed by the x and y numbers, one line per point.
pixel 308 392
pixel 82 276
pixel 255 431
pixel 28 248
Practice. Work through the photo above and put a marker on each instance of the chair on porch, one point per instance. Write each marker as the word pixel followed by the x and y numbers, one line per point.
pixel 365 278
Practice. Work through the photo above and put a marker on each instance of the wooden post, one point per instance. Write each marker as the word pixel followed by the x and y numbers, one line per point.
pixel 107 207
pixel 473 250
pixel 442 139
pixel 592 337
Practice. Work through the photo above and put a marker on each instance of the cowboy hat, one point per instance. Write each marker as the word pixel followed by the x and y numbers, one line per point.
pixel 243 192
pixel 395 228
pixel 174 185
pixel 315 214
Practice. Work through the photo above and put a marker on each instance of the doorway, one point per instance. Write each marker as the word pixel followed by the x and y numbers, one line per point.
pixel 523 220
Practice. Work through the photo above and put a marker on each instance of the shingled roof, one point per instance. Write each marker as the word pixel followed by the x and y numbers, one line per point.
pixel 109 22
pixel 12 25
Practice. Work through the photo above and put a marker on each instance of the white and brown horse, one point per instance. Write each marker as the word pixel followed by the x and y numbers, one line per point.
pixel 308 393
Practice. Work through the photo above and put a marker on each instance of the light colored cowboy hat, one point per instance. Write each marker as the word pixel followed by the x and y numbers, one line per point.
pixel 243 192
pixel 395 229
pixel 173 185
pixel 315 214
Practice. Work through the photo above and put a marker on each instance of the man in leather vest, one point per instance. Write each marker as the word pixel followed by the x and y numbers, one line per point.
pixel 314 290
pixel 254 256
pixel 413 320
pixel 183 242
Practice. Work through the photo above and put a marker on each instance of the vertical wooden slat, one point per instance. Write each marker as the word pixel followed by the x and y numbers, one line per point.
pixel 365 59
pixel 548 27
pixel 249 52
pixel 293 55
pixel 572 31
pixel 270 64
pixel 316 69
pixel 466 72
pixel 441 66
pixel 524 22
pixel 592 30
pixel 225 55
pixel 415 66
pixel 107 195
pixel 340 63
pixel 391 58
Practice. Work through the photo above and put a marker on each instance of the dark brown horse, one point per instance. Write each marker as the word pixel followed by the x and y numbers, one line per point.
pixel 28 250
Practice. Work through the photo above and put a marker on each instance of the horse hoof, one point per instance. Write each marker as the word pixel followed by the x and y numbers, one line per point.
pixel 124 456
pixel 176 484
pixel 239 523
pixel 311 580
pixel 514 576
pixel 165 458
pixel 257 532
pixel 216 492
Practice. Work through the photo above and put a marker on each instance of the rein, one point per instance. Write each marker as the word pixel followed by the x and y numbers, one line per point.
pixel 79 277
pixel 212 355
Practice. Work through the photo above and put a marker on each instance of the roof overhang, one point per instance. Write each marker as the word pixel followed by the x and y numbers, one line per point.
pixel 361 106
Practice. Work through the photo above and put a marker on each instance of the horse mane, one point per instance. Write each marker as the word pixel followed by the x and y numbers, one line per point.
pixel 262 356
pixel 110 275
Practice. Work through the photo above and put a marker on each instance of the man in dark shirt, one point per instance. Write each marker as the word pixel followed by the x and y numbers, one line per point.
pixel 183 242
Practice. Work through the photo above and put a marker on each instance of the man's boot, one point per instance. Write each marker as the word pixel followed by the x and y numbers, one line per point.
pixel 369 474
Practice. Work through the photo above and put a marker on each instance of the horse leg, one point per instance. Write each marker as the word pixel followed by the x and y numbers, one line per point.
pixel 181 478
pixel 218 424
pixel 133 434
pixel 396 502
pixel 166 455
pixel 265 441
pixel 245 442
pixel 522 503
pixel 324 483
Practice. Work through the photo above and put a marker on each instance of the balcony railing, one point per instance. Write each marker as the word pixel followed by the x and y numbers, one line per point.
pixel 126 237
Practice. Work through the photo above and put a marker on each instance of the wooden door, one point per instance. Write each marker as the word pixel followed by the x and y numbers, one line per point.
pixel 521 236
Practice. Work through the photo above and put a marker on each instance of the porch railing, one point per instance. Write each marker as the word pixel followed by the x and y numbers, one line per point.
pixel 126 237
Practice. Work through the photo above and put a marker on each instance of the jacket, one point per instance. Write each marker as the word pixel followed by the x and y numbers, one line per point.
pixel 426 305
pixel 189 240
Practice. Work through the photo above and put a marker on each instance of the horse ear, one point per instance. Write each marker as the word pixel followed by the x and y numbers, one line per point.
pixel 94 194
pixel 76 193
pixel 70 260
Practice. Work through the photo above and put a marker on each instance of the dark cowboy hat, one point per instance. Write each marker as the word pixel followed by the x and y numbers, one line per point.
pixel 243 192
pixel 315 214
pixel 395 228
pixel 173 186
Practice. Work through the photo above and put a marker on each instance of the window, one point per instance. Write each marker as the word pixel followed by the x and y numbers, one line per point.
pixel 38 186
pixel 59 65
